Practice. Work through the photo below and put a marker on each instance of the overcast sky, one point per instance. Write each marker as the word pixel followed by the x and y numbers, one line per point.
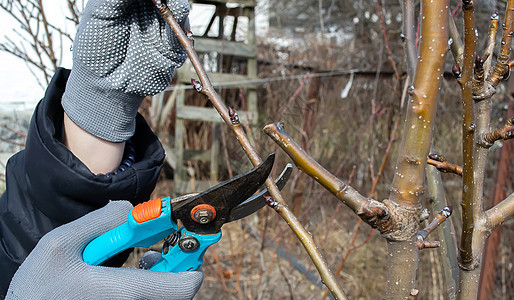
pixel 19 89
pixel 17 83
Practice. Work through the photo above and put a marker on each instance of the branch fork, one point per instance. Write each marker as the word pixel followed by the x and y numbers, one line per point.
pixel 376 214
pixel 395 222
pixel 484 80
pixel 505 133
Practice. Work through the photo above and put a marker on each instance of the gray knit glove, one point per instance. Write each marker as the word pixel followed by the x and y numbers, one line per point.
pixel 55 269
pixel 123 51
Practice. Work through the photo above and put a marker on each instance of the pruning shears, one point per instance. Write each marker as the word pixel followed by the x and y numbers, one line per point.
pixel 202 216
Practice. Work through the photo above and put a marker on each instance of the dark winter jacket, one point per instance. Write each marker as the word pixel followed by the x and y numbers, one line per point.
pixel 48 186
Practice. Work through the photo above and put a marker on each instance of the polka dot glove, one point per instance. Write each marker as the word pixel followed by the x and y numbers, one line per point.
pixel 123 51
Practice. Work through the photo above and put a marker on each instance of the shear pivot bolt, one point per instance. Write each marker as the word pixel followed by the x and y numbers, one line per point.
pixel 203 216
pixel 203 213
pixel 188 243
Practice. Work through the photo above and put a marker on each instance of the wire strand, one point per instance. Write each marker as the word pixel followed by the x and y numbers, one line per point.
pixel 268 79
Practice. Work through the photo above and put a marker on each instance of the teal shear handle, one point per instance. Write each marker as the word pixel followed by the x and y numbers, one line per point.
pixel 147 224
pixel 202 215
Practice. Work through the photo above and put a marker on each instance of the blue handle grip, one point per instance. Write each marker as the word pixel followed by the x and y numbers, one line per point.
pixel 130 234
pixel 145 234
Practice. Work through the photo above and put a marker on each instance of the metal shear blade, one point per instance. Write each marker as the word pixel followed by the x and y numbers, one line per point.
pixel 256 202
pixel 222 198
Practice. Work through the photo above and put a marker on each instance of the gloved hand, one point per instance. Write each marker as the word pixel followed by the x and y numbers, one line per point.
pixel 123 51
pixel 55 269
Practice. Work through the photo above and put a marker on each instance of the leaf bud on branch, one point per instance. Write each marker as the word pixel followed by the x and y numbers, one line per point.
pixel 272 202
pixel 197 85
pixel 467 4
pixel 456 71
pixel 234 117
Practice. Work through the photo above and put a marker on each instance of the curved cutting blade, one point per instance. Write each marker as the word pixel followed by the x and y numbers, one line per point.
pixel 256 202
pixel 223 197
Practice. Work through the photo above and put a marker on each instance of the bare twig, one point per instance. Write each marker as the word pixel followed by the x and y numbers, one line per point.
pixel 11 142
pixel 424 233
pixel 18 132
pixel 206 88
pixel 382 26
pixel 409 36
pixel 293 97
pixel 37 45
pixel 371 211
pixel 506 132
pixel 456 46
pixel 304 162
pixel 443 165
pixel 440 217
pixel 501 212
pixel 502 68
pixel 491 42
pixel 75 11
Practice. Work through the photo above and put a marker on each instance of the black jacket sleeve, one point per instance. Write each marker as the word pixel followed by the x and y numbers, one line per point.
pixel 47 186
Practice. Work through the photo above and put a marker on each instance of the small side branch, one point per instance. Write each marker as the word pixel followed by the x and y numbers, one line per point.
pixel 376 214
pixel 501 69
pixel 409 36
pixel 482 88
pixel 11 142
pixel 456 46
pixel 311 167
pixel 421 236
pixel 443 165
pixel 446 233
pixel 501 212
pixel 491 42
pixel 505 133
pixel 386 40
pixel 17 132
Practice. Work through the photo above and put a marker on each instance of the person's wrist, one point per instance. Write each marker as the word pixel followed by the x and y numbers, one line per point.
pixel 99 156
